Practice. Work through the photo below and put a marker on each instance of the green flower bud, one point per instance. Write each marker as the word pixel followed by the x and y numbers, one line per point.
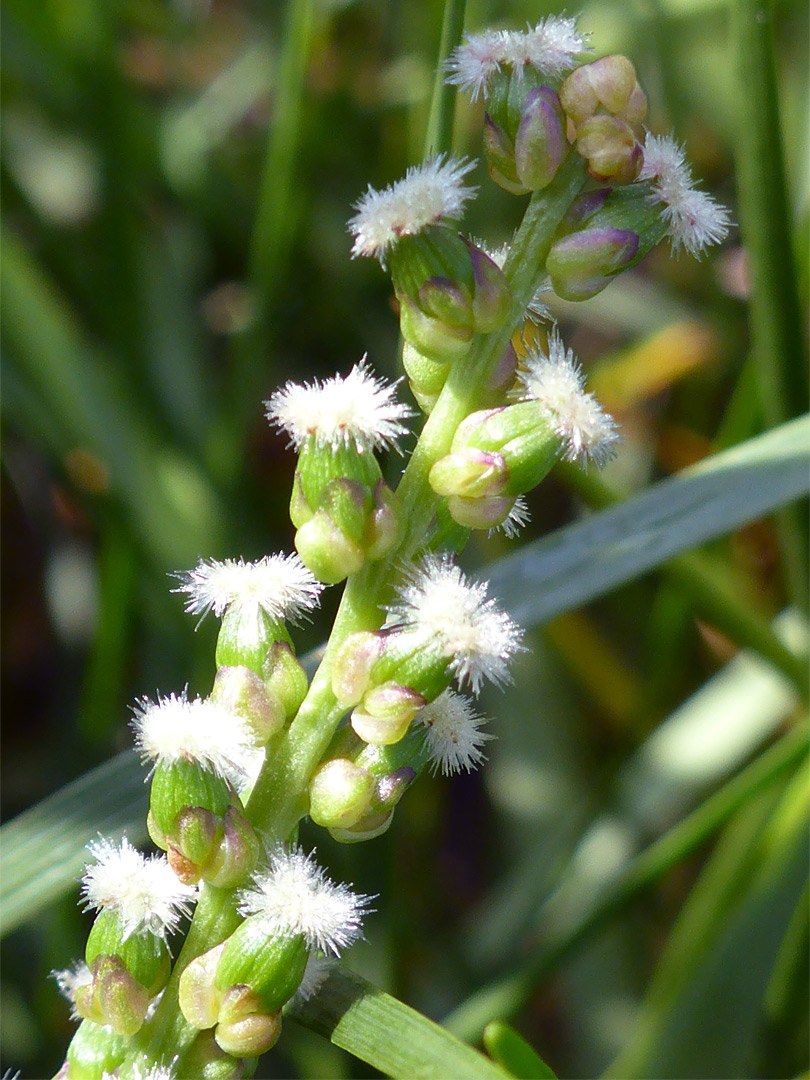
pixel 114 998
pixel 244 1029
pixel 583 264
pixel 207 1061
pixel 232 647
pixel 389 790
pixel 198 995
pixel 611 149
pixel 285 678
pixel 270 965
pixel 386 712
pixel 339 793
pixel 240 691
pixel 481 513
pixel 329 553
pixel 144 956
pixel 353 664
pixel 471 473
pixel 94 1052
pixel 426 375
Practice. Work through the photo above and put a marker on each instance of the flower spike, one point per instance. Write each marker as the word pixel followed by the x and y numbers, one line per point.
pixel 428 193
pixel 695 221
pixel 358 411
pixel 142 890
pixel 293 896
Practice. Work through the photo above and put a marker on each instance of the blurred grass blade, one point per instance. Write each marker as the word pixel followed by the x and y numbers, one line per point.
pixel 579 908
pixel 513 1053
pixel 43 850
pixel 174 510
pixel 439 135
pixel 724 948
pixel 777 327
pixel 389 1035
pixel 587 559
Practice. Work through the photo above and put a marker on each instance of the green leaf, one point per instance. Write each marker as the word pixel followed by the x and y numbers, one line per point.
pixel 389 1035
pixel 513 1053
pixel 544 579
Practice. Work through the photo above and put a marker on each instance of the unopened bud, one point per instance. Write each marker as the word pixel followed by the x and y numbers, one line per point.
pixel 425 374
pixel 246 1034
pixel 386 713
pixel 113 998
pixel 383 529
pixel 431 336
pixel 241 691
pixel 198 995
pixel 502 378
pixel 540 142
pixel 269 966
pixel 611 149
pixel 582 264
pixel 389 790
pixel 284 677
pixel 340 793
pixel 234 648
pixel 500 154
pixel 471 473
pixel 481 513
pixel 235 855
pixel 326 550
pixel 491 295
pixel 207 1061
pixel 143 955
pixel 352 666
pixel 606 85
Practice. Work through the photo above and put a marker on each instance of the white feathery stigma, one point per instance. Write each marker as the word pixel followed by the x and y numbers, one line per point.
pixel 278 586
pixel 553 47
pixel 143 890
pixel 357 410
pixel 453 735
pixel 694 219
pixel 69 980
pixel 175 729
pixel 517 519
pixel 293 896
pixel 556 383
pixel 428 193
pixel 147 1071
pixel 453 617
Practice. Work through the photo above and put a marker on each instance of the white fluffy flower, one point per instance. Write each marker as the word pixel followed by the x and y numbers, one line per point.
pixel 143 890
pixel 555 382
pixel 147 1071
pixel 175 729
pixel 453 617
pixel 278 586
pixel 694 219
pixel 359 410
pixel 552 47
pixel 69 980
pixel 429 192
pixel 453 735
pixel 294 896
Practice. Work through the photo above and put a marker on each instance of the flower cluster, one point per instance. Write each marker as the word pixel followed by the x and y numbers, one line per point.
pixel 233 772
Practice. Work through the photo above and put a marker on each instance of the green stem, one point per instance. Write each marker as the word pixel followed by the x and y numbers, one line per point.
pixel 439 135
pixel 776 321
pixel 565 934
pixel 709 592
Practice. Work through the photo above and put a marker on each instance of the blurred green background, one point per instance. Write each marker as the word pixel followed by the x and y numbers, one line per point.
pixel 176 183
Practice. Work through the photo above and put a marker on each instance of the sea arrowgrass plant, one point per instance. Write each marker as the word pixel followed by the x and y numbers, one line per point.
pixel 233 774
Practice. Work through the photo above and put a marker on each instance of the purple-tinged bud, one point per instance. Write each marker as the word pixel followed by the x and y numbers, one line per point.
pixel 500 154
pixel 583 208
pixel 611 149
pixel 247 1034
pixel 492 298
pixel 236 854
pixel 540 142
pixel 446 300
pixel 384 525
pixel 340 793
pixel 284 677
pixel 240 691
pixel 486 513
pixel 389 790
pixel 113 998
pixel 431 336
pixel 386 713
pixel 198 996
pixel 503 376
pixel 142 955
pixel 473 474
pixel 352 666
pixel 581 265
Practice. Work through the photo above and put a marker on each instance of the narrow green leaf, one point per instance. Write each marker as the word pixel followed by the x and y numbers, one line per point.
pixel 439 135
pixel 389 1035
pixel 513 1053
